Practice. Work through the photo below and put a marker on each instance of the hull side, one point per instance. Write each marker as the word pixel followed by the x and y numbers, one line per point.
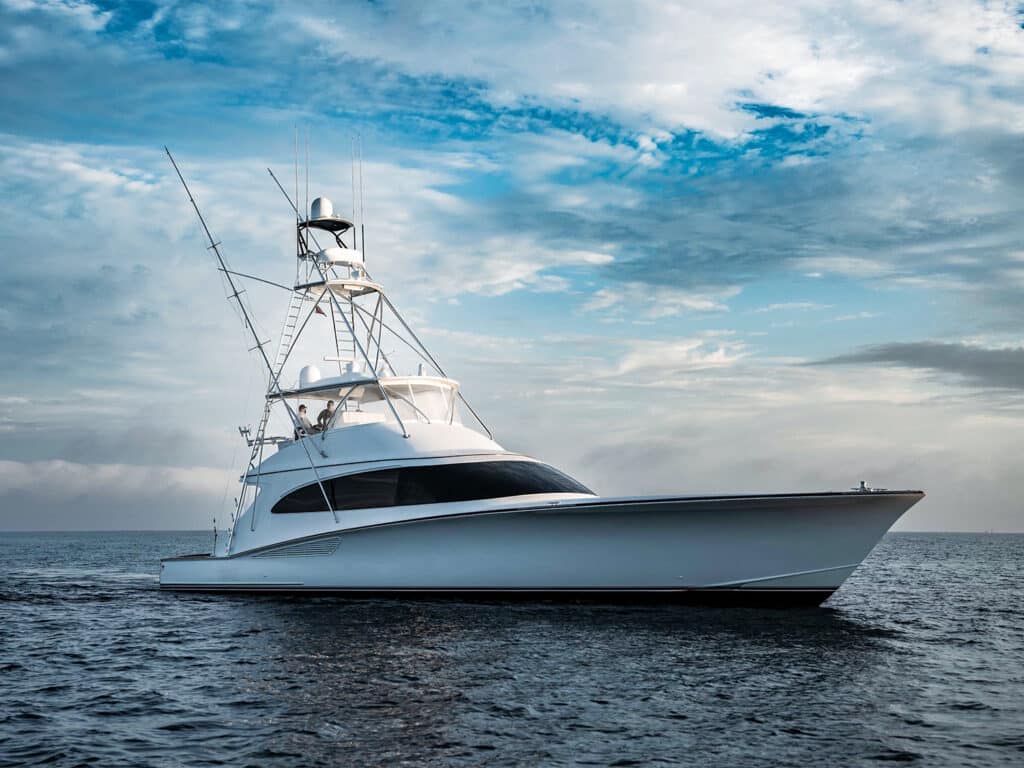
pixel 757 549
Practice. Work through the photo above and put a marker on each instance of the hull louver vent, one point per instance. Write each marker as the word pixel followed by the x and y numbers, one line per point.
pixel 313 548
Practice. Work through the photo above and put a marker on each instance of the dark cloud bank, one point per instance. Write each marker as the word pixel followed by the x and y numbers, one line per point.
pixel 980 366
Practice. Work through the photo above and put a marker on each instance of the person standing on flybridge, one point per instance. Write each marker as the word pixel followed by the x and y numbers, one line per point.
pixel 324 419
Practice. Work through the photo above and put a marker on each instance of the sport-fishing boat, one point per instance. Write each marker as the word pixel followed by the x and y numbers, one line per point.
pixel 390 493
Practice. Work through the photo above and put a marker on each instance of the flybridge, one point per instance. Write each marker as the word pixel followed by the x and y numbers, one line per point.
pixel 342 343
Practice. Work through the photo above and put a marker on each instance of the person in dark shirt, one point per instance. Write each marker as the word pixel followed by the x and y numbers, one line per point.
pixel 324 419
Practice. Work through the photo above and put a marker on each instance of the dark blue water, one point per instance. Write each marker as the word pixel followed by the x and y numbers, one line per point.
pixel 919 658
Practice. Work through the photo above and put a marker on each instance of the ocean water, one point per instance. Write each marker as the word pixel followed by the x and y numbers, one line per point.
pixel 919 658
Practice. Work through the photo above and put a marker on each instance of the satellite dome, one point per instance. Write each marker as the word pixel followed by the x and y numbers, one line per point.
pixel 308 376
pixel 322 208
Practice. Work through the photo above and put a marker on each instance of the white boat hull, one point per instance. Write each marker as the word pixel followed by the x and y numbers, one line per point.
pixel 787 549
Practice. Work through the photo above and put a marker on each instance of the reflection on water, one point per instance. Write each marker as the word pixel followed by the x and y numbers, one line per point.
pixel 918 658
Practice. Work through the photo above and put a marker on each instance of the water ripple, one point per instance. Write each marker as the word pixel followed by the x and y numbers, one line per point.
pixel 919 659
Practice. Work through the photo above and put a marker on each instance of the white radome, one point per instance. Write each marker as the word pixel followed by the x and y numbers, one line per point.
pixel 308 376
pixel 321 208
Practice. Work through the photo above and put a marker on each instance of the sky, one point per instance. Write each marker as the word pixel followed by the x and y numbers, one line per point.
pixel 667 247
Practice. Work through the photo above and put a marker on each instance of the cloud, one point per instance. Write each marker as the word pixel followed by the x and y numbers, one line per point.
pixel 62 495
pixel 587 168
pixel 972 364
pixel 84 15
pixel 656 302
pixel 865 315
pixel 791 306
pixel 583 193
pixel 847 266
pixel 895 58
pixel 667 358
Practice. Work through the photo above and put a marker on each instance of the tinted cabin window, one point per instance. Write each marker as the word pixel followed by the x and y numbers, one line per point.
pixel 370 489
pixel 431 485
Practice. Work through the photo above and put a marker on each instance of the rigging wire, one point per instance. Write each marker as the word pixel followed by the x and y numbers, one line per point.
pixel 307 170
pixel 258 279
pixel 362 217
pixel 352 167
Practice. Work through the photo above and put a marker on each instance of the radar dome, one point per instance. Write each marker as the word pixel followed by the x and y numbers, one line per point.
pixel 308 376
pixel 321 208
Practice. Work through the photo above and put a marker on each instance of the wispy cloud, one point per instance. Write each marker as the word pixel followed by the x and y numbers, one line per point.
pixel 791 306
pixel 683 355
pixel 854 316
pixel 654 302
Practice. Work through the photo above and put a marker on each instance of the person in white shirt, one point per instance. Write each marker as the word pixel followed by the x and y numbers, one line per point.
pixel 305 426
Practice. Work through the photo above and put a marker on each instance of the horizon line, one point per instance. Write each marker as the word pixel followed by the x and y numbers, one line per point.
pixel 208 530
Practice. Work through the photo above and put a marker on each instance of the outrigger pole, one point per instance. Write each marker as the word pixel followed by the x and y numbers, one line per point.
pixel 275 385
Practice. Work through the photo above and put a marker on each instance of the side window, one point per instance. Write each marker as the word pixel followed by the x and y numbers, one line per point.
pixel 365 490
pixel 431 485
pixel 481 480
pixel 306 499
pixel 361 491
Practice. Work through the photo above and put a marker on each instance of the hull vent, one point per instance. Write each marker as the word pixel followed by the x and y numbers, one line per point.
pixel 313 548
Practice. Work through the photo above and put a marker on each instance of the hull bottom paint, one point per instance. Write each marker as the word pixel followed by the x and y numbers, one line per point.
pixel 750 550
